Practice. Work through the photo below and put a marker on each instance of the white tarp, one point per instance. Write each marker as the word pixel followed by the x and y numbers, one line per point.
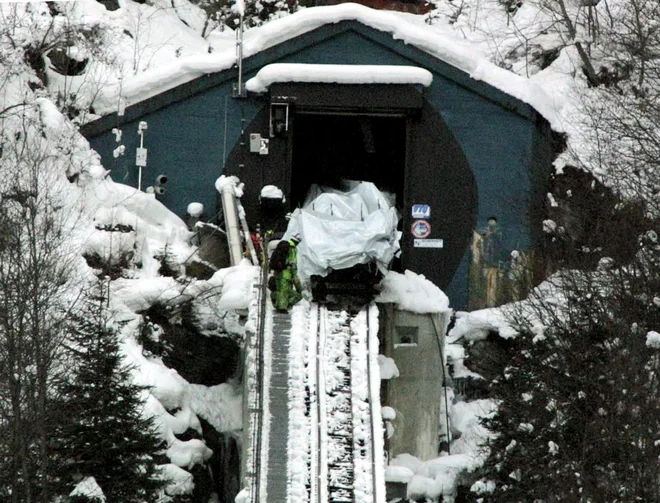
pixel 342 229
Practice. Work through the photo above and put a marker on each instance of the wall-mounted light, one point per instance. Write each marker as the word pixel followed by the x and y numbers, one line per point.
pixel 279 119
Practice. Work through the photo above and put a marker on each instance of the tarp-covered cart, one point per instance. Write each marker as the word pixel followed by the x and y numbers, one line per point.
pixel 348 238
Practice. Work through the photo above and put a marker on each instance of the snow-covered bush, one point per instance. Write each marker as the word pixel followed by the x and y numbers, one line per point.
pixel 580 401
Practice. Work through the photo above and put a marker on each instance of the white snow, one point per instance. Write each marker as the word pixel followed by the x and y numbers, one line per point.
pixel 476 325
pixel 181 482
pixel 228 289
pixel 231 181
pixel 195 209
pixel 388 413
pixel 299 436
pixel 455 355
pixel 388 369
pixel 653 339
pixel 188 454
pixel 271 192
pixel 243 496
pixel 89 488
pixel 398 474
pixel 337 74
pixel 239 7
pixel 439 477
pixel 412 292
pixel 440 42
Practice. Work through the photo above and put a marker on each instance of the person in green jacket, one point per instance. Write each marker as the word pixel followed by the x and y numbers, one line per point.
pixel 287 288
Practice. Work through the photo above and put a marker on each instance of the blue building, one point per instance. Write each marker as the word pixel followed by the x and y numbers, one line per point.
pixel 456 139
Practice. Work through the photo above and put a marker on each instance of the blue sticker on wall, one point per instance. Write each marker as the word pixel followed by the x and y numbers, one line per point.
pixel 421 211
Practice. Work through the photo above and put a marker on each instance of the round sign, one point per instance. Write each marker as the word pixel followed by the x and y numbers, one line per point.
pixel 420 229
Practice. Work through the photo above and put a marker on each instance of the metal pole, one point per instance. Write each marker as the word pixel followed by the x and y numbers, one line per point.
pixel 231 224
pixel 239 47
pixel 140 167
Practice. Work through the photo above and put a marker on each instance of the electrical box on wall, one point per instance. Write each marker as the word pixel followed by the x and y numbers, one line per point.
pixel 258 145
pixel 141 157
pixel 255 143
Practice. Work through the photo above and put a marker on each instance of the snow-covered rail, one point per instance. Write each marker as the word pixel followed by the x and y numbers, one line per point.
pixel 345 426
pixel 254 391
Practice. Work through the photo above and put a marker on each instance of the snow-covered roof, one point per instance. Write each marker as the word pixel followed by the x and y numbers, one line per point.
pixel 337 74
pixel 447 47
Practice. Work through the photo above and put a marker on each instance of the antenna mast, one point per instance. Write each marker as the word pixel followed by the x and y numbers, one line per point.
pixel 240 5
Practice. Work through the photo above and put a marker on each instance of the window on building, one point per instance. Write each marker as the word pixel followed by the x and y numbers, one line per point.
pixel 405 336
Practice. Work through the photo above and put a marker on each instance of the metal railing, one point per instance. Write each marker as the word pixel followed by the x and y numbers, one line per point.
pixel 256 403
pixel 377 440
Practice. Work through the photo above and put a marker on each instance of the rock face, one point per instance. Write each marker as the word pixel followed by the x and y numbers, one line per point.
pixel 198 358
pixel 206 360
pixel 110 4
pixel 225 463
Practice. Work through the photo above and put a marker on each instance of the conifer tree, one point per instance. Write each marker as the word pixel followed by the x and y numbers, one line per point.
pixel 106 435
pixel 580 401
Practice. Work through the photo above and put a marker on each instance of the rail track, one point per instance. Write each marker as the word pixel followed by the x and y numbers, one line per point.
pixel 345 448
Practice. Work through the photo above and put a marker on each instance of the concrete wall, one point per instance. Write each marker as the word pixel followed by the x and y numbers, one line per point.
pixel 417 394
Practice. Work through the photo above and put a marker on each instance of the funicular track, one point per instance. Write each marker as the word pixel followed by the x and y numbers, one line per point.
pixel 346 452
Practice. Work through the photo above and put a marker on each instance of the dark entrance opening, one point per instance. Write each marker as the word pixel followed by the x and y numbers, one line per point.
pixel 330 148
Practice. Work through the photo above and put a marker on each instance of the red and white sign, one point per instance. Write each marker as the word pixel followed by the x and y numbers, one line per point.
pixel 420 229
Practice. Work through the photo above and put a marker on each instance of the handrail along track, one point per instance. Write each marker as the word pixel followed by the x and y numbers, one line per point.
pixel 257 405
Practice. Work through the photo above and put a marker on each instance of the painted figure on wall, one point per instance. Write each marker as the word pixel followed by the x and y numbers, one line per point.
pixel 499 275
pixel 488 267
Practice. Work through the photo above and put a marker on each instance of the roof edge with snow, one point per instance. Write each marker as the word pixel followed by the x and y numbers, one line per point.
pixel 157 88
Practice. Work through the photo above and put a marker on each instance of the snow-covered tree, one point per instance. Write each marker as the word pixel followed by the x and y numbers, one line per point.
pixel 580 400
pixel 38 271
pixel 220 13
pixel 107 436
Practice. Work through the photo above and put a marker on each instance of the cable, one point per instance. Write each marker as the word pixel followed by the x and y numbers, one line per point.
pixel 444 381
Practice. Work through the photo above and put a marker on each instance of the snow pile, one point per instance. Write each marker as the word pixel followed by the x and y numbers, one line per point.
pixel 476 325
pixel 189 453
pixel 229 181
pixel 388 413
pixel 271 192
pixel 455 355
pixel 395 473
pixel 440 477
pixel 220 405
pixel 89 488
pixel 653 339
pixel 181 482
pixel 412 292
pixel 229 289
pixel 195 209
pixel 343 229
pixel 146 226
pixel 388 369
pixel 337 74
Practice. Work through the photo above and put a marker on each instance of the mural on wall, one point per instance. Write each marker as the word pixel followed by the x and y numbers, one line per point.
pixel 497 275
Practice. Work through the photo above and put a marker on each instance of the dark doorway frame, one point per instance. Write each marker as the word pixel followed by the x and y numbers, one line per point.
pixel 327 147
